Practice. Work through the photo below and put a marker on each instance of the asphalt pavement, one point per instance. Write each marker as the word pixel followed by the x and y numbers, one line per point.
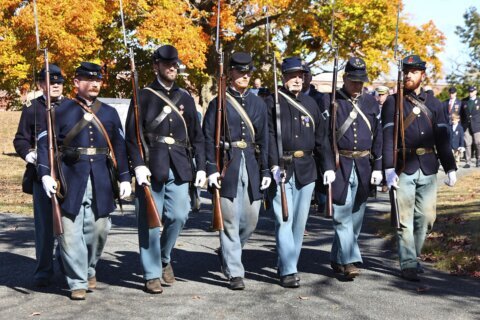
pixel 201 291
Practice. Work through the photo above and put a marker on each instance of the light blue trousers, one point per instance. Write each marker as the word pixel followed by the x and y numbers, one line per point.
pixel 240 217
pixel 417 202
pixel 82 242
pixel 347 223
pixel 44 239
pixel 173 202
pixel 289 234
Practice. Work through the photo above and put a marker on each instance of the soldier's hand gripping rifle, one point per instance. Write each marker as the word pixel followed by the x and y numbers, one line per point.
pixel 333 119
pixel 153 216
pixel 281 159
pixel 52 145
pixel 220 127
pixel 397 126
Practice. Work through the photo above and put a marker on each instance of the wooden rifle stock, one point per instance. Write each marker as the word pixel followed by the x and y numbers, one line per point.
pixel 283 196
pixel 333 129
pixel 56 211
pixel 153 216
pixel 397 125
pixel 217 218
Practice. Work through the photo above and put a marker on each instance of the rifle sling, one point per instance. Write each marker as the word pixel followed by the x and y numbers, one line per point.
pixel 98 124
pixel 80 124
pixel 242 114
pixel 172 105
pixel 353 115
pixel 423 108
pixel 160 117
pixel 299 107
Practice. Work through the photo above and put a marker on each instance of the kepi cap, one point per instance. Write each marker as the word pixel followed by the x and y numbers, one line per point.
pixel 356 70
pixel 414 62
pixel 89 70
pixel 55 74
pixel 241 61
pixel 293 64
pixel 166 53
pixel 472 88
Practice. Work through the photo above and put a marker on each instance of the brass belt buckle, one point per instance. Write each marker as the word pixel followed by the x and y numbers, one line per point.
pixel 241 144
pixel 298 154
pixel 420 151
pixel 90 151
pixel 169 140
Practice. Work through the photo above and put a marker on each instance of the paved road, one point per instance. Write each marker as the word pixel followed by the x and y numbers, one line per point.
pixel 201 291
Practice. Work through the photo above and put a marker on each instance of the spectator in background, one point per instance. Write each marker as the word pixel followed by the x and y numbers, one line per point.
pixel 257 83
pixel 452 105
pixel 381 94
pixel 456 138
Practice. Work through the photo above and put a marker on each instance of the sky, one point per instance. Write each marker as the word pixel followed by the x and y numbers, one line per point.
pixel 446 14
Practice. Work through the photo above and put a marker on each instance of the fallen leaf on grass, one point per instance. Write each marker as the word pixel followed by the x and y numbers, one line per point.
pixel 196 297
pixel 303 298
pixel 35 314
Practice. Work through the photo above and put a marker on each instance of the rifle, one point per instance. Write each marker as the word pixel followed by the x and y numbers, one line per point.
pixel 397 124
pixel 220 126
pixel 153 216
pixel 52 150
pixel 333 119
pixel 281 159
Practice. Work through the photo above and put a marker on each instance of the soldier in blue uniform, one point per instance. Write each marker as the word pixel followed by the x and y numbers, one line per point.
pixel 171 132
pixel 322 102
pixel 426 141
pixel 247 173
pixel 359 142
pixel 470 118
pixel 33 121
pixel 89 195
pixel 304 133
pixel 452 105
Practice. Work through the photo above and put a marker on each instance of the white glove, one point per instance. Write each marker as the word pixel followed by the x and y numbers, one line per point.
pixel 277 174
pixel 141 175
pixel 49 185
pixel 328 177
pixel 213 180
pixel 31 157
pixel 451 178
pixel 392 178
pixel 200 179
pixel 265 183
pixel 377 177
pixel 461 149
pixel 125 189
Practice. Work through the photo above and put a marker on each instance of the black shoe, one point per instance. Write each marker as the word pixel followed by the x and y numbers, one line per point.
pixel 410 274
pixel 236 283
pixel 337 268
pixel 289 281
pixel 466 166
pixel 420 268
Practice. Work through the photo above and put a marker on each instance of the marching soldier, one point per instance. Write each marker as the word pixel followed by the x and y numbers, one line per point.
pixel 470 118
pixel 245 177
pixel 171 130
pixel 32 123
pixel 304 132
pixel 359 141
pixel 322 102
pixel 88 132
pixel 426 139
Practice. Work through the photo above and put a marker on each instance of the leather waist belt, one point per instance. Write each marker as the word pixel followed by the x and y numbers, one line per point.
pixel 86 151
pixel 417 151
pixel 297 153
pixel 166 140
pixel 238 144
pixel 354 154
